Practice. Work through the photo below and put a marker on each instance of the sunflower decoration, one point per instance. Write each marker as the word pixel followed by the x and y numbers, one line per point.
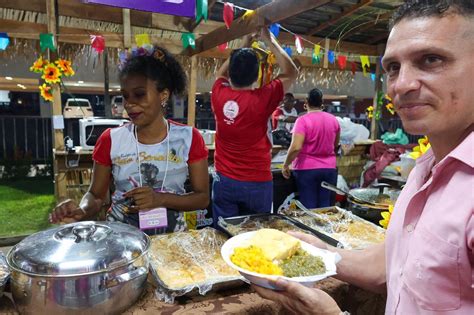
pixel 387 101
pixel 45 91
pixel 369 111
pixel 39 64
pixel 65 67
pixel 421 148
pixel 386 215
pixel 51 73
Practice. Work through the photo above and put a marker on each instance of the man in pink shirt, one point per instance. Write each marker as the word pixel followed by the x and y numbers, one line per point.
pixel 426 263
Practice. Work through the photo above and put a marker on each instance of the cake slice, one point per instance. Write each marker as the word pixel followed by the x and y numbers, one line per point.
pixel 275 245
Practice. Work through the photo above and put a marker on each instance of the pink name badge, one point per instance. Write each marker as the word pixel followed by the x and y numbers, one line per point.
pixel 153 219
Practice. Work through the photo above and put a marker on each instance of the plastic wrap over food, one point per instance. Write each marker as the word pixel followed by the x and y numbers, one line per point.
pixel 188 262
pixel 4 273
pixel 239 225
pixel 350 230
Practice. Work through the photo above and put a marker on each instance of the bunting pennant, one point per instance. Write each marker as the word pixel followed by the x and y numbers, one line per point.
pixel 315 59
pixel 317 49
pixel 364 60
pixel 223 47
pixel 275 29
pixel 228 14
pixel 373 77
pixel 98 43
pixel 342 61
pixel 288 50
pixel 248 14
pixel 331 56
pixel 298 44
pixel 142 40
pixel 188 39
pixel 4 41
pixel 353 68
pixel 47 41
pixel 201 10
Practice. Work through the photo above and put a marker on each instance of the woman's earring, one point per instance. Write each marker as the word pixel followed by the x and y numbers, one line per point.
pixel 163 103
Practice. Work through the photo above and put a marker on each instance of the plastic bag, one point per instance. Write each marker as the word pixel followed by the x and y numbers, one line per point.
pixel 352 132
pixel 186 262
pixel 4 273
pixel 399 137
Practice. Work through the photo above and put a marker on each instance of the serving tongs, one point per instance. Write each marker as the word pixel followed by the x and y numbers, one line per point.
pixel 352 197
pixel 321 236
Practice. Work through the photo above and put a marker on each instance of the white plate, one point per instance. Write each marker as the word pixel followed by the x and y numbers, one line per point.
pixel 329 258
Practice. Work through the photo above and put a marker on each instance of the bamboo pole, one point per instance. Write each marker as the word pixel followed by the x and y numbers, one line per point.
pixel 192 92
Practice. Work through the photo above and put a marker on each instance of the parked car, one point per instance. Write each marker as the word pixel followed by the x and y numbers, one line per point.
pixel 118 109
pixel 78 108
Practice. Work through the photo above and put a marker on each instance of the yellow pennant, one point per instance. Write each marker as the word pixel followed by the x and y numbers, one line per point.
pixel 248 13
pixel 142 40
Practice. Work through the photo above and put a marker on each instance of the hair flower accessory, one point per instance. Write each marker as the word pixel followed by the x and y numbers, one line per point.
pixel 146 50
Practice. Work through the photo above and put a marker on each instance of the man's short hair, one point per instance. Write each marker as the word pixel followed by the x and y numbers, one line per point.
pixel 429 8
pixel 243 67
pixel 289 95
pixel 315 98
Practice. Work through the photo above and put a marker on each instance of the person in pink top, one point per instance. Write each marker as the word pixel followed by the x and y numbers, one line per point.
pixel 426 264
pixel 313 152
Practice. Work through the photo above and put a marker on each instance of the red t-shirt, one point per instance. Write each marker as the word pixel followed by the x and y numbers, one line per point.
pixel 276 114
pixel 243 143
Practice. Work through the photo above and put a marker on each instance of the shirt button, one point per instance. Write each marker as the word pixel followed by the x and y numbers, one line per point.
pixel 410 228
pixel 401 272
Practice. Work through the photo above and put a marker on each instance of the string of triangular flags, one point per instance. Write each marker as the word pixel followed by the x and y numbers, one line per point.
pixel 318 51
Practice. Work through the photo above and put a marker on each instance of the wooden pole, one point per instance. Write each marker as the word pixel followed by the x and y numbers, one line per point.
pixel 58 135
pixel 107 106
pixel 327 43
pixel 378 88
pixel 192 92
pixel 127 28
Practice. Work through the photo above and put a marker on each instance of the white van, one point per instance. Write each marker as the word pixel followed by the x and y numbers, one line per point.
pixel 78 108
pixel 118 109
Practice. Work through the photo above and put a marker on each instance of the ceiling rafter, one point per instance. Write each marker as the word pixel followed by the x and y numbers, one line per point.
pixel 337 18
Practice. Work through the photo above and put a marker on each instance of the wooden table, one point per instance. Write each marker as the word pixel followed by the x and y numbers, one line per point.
pixel 242 300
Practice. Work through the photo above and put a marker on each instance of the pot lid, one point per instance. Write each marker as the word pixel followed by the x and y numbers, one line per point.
pixel 78 249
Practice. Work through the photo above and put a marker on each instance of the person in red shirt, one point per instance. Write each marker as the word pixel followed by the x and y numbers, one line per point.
pixel 284 117
pixel 243 180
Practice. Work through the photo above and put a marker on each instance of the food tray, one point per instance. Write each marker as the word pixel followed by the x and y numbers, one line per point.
pixel 189 263
pixel 248 223
pixel 350 230
pixel 4 273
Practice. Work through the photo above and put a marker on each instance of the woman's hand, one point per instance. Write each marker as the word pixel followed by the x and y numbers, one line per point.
pixel 299 299
pixel 143 198
pixel 67 212
pixel 286 171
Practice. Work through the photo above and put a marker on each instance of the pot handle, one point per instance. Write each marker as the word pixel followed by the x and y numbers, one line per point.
pixel 381 187
pixel 333 188
pixel 83 232
pixel 125 277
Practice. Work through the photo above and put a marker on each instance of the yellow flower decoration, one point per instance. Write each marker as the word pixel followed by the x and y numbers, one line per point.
pixel 46 92
pixel 51 74
pixel 386 217
pixel 39 64
pixel 421 148
pixel 65 66
pixel 370 112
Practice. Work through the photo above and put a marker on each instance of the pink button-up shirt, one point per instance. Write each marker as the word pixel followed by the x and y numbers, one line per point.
pixel 430 239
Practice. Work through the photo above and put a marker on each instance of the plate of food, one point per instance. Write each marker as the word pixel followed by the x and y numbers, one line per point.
pixel 263 256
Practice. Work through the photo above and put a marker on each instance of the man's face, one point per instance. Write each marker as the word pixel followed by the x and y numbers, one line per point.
pixel 288 102
pixel 430 74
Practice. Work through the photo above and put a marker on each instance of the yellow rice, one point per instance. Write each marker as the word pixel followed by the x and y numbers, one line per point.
pixel 252 258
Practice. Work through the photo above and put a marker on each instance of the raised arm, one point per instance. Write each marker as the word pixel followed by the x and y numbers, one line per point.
pixel 223 71
pixel 289 72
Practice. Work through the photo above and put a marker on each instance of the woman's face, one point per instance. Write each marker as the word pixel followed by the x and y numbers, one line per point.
pixel 143 101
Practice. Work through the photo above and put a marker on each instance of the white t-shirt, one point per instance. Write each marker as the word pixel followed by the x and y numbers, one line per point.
pixel 117 147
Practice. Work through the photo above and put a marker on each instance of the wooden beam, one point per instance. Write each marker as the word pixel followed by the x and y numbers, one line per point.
pixel 326 53
pixel 127 28
pixel 192 92
pixel 343 14
pixel 378 38
pixel 193 24
pixel 273 12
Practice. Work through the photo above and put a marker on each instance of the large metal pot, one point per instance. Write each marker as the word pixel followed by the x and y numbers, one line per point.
pixel 79 268
pixel 368 203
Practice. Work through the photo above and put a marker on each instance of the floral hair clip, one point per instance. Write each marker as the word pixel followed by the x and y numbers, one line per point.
pixel 145 50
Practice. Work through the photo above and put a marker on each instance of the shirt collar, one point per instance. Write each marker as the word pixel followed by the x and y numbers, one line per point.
pixel 464 152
